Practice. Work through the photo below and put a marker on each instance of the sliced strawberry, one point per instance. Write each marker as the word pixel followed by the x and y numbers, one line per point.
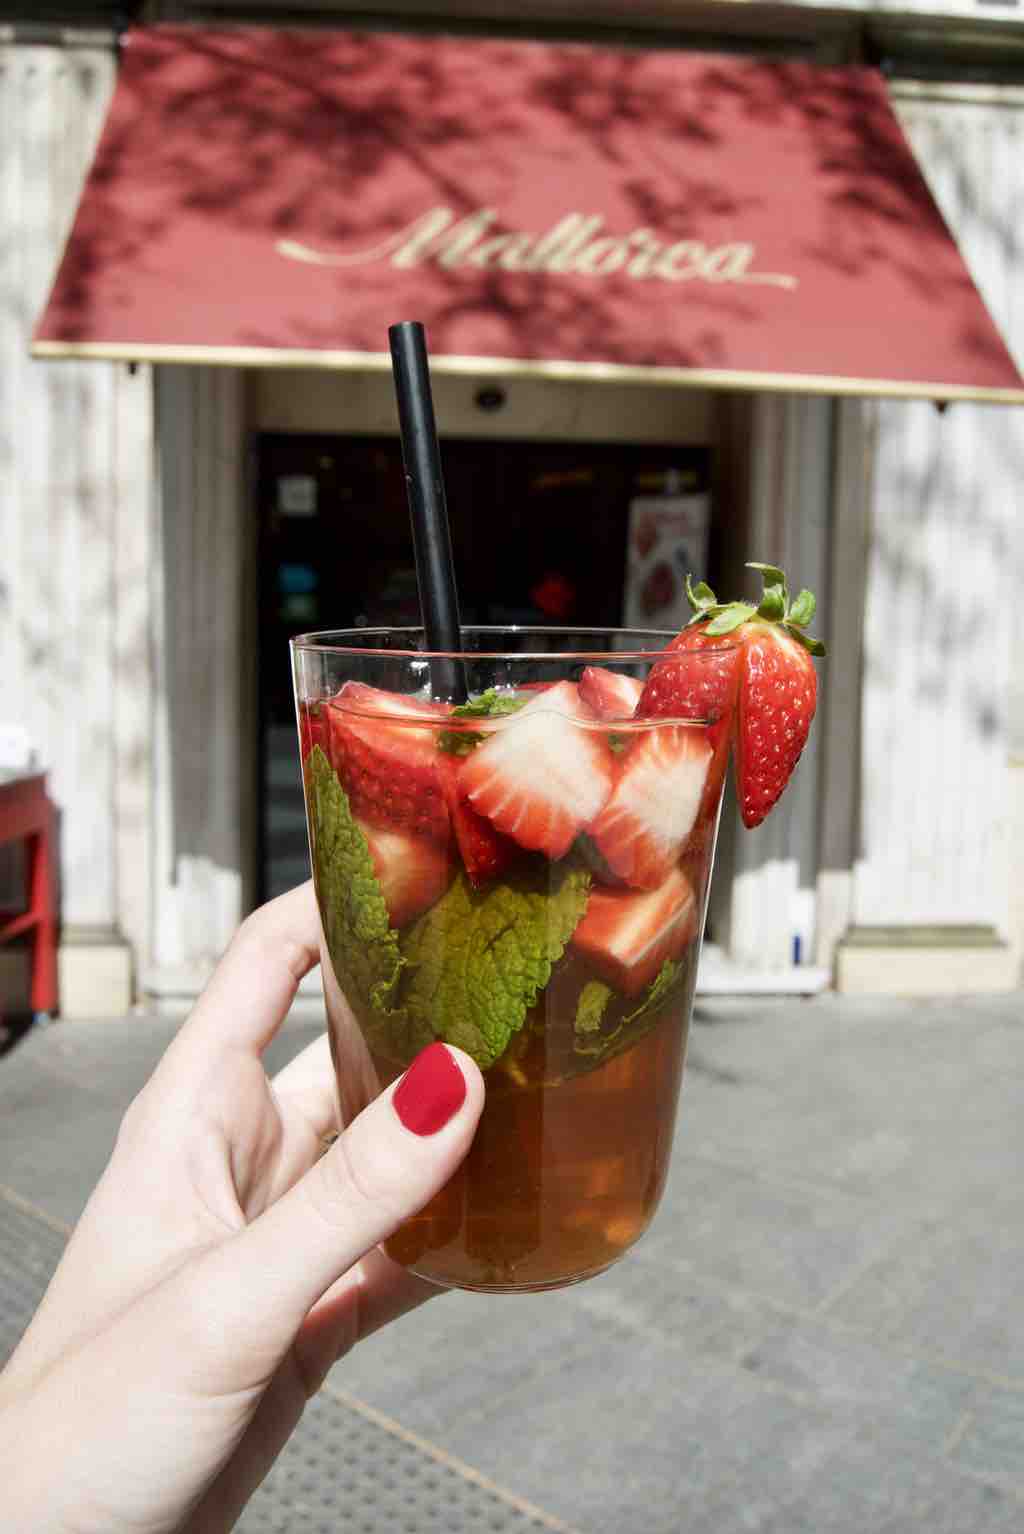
pixel 485 852
pixel 312 728
pixel 608 694
pixel 412 871
pixel 654 804
pixel 384 750
pixel 543 775
pixel 628 935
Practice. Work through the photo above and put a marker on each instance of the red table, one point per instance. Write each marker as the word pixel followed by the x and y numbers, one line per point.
pixel 26 816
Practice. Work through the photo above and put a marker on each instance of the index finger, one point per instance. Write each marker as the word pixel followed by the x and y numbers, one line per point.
pixel 254 985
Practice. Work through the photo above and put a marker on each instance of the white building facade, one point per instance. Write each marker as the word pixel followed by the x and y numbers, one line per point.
pixel 127 584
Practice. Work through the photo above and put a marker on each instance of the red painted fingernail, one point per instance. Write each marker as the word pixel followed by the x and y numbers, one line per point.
pixel 431 1092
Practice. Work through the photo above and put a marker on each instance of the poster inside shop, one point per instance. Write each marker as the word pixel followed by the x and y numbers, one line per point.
pixel 668 539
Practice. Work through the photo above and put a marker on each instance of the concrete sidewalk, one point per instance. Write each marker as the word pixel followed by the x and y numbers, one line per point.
pixel 823 1331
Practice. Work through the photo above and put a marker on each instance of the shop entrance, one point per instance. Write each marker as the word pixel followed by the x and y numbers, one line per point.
pixel 542 532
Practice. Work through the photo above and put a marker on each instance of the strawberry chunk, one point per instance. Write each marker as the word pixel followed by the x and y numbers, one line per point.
pixel 412 871
pixel 384 750
pixel 653 807
pixel 543 774
pixel 608 694
pixel 484 851
pixel 627 935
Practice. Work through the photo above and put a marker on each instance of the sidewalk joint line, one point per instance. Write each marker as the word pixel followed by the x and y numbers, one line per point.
pixel 958 1432
pixel 27 1207
pixel 793 1312
pixel 450 1461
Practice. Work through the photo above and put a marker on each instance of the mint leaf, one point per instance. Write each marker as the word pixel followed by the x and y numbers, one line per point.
pixel 594 998
pixel 489 705
pixel 590 1008
pixel 357 928
pixel 459 742
pixel 476 961
pixel 663 983
pixel 362 944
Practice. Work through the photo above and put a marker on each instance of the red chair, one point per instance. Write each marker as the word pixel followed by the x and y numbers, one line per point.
pixel 27 816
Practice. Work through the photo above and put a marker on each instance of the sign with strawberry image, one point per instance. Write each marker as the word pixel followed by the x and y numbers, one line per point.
pixel 668 535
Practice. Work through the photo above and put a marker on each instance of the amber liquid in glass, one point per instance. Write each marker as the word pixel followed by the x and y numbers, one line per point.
pixel 567 1167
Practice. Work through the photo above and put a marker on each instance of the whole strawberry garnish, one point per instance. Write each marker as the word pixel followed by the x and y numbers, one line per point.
pixel 778 686
pixel 683 686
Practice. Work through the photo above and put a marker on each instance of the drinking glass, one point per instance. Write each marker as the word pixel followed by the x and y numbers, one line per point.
pixel 525 875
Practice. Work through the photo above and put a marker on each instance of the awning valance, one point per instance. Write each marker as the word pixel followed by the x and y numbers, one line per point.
pixel 272 197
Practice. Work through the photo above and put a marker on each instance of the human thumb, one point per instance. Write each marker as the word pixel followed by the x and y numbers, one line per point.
pixel 381 1170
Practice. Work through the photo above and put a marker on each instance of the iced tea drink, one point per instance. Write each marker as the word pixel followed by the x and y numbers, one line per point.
pixel 524 875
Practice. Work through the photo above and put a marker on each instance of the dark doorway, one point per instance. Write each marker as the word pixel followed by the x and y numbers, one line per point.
pixel 539 535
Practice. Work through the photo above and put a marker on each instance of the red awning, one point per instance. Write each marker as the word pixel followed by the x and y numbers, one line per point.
pixel 274 197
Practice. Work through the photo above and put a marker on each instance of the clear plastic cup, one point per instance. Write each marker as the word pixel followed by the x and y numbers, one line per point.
pixel 525 877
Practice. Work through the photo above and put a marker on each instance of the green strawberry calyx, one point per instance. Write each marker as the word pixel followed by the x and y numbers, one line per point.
pixel 774 607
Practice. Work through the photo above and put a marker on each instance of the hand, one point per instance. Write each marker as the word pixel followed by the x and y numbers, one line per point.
pixel 223 1263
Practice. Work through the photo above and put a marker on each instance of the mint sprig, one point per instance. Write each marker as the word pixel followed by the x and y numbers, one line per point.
pixel 477 960
pixel 596 1042
pixel 775 606
pixel 363 946
pixel 469 968
pixel 491 704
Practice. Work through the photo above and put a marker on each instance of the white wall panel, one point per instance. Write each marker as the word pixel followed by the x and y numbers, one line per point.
pixel 775 867
pixel 68 489
pixel 945 564
pixel 201 761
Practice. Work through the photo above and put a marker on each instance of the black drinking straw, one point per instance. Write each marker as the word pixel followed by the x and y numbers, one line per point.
pixel 431 536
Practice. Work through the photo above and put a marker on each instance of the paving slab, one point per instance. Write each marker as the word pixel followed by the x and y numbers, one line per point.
pixel 822 1330
pixel 875 1388
pixel 790 1242
pixel 856 1487
pixel 451 1360
pixel 916 1103
pixel 991 1442
pixel 953 1292
pixel 64 1090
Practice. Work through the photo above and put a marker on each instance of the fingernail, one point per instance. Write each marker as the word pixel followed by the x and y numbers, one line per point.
pixel 431 1092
